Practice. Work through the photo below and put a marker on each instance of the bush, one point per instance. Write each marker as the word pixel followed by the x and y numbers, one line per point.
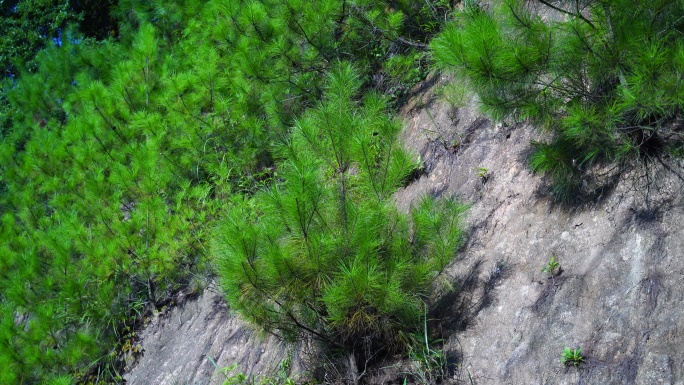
pixel 324 253
pixel 117 156
pixel 605 81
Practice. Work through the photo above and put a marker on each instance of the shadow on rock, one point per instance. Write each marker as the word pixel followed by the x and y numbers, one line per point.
pixel 457 309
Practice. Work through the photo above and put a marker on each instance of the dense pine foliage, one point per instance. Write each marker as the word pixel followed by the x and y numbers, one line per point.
pixel 27 26
pixel 119 156
pixel 604 78
pixel 325 252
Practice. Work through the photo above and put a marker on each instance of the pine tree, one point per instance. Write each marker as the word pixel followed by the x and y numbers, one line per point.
pixel 602 77
pixel 324 253
pixel 30 25
pixel 117 157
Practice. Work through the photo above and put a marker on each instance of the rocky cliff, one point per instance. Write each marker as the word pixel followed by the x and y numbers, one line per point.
pixel 617 294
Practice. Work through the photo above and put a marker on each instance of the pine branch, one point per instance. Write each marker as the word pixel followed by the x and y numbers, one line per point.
pixel 399 39
pixel 113 127
pixel 561 10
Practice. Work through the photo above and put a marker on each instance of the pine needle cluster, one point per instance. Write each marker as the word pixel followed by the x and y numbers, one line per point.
pixel 324 253
pixel 117 157
pixel 602 77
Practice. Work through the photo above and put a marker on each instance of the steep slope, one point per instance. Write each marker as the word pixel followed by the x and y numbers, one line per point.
pixel 186 344
pixel 618 294
pixel 616 297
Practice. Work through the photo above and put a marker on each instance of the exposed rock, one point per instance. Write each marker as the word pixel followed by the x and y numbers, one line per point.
pixel 619 294
pixel 180 344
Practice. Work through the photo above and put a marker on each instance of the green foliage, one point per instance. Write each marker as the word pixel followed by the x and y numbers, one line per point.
pixel 27 27
pixel 455 93
pixel 108 192
pixel 118 156
pixel 483 174
pixel 605 83
pixel 430 364
pixel 231 378
pixel 572 356
pixel 30 25
pixel 551 266
pixel 324 252
pixel 226 373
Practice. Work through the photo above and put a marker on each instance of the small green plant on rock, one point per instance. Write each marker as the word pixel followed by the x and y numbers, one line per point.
pixel 430 364
pixel 483 174
pixel 456 93
pixel 552 267
pixel 572 356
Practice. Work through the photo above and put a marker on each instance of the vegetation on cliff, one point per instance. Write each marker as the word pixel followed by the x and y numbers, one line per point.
pixel 119 155
pixel 122 148
pixel 603 78
pixel 323 252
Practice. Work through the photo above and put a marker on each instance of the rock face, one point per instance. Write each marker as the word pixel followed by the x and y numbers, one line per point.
pixel 180 345
pixel 617 297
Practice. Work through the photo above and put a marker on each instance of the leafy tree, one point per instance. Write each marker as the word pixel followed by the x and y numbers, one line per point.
pixel 603 78
pixel 324 253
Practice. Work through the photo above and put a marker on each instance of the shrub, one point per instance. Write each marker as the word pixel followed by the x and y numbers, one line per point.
pixel 324 253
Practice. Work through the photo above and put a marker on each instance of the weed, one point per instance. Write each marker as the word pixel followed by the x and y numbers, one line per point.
pixel 572 356
pixel 231 377
pixel 552 266
pixel 429 364
pixel 456 93
pixel 483 174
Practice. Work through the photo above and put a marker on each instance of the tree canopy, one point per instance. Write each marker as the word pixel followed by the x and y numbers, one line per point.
pixel 604 78
pixel 119 155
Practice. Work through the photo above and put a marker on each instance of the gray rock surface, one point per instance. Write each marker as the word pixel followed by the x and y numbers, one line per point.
pixel 180 344
pixel 618 297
